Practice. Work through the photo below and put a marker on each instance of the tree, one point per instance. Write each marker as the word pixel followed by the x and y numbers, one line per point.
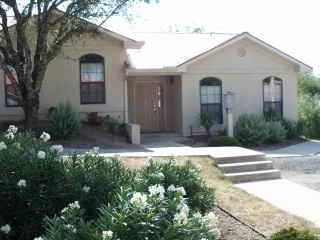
pixel 25 57
pixel 308 83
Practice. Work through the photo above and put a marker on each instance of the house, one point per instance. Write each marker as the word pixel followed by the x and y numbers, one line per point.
pixel 163 82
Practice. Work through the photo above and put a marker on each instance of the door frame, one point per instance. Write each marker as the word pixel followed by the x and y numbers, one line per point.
pixel 155 95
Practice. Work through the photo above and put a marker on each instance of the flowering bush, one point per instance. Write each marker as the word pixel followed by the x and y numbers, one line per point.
pixel 200 197
pixel 43 196
pixel 36 182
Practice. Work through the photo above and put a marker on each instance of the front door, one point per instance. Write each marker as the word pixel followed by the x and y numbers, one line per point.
pixel 149 106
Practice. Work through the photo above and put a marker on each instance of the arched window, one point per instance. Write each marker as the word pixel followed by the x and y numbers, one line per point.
pixel 211 98
pixel 92 80
pixel 272 97
pixel 11 97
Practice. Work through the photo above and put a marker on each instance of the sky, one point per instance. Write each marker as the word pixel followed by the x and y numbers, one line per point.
pixel 291 26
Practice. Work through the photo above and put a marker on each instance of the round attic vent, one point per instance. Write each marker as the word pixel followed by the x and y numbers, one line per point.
pixel 241 52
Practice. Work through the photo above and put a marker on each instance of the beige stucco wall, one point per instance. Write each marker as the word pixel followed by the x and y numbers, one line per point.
pixel 241 75
pixel 62 80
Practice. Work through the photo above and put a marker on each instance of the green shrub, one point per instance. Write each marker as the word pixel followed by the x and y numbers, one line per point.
pixel 112 124
pixel 220 141
pixel 292 234
pixel 294 128
pixel 309 115
pixel 251 130
pixel 277 132
pixel 84 197
pixel 94 118
pixel 64 121
pixel 222 132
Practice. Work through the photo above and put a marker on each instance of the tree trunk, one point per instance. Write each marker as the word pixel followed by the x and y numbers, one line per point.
pixel 208 131
pixel 31 114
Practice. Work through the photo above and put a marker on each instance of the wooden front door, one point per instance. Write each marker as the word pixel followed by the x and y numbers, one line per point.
pixel 149 106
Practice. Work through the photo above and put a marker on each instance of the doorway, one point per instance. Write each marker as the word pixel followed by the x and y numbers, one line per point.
pixel 149 106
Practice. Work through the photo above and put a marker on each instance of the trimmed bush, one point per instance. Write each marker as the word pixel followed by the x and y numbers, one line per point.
pixel 277 132
pixel 220 141
pixel 64 121
pixel 251 130
pixel 292 234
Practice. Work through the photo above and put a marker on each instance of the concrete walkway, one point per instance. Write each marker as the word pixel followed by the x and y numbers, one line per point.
pixel 284 194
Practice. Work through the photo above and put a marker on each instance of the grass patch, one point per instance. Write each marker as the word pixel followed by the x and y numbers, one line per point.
pixel 263 216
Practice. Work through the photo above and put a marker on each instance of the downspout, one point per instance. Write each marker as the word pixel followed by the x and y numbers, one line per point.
pixel 126 111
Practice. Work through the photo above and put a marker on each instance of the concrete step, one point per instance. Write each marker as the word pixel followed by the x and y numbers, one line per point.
pixel 160 135
pixel 242 158
pixel 253 175
pixel 164 139
pixel 245 166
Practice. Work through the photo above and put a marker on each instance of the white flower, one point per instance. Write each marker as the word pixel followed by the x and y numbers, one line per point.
pixel 12 129
pixel 17 145
pixel 183 208
pixel 45 137
pixel 57 148
pixel 75 204
pixel 180 218
pixel 197 215
pixel 71 227
pixel 64 210
pixel 199 167
pixel 157 190
pixel 41 154
pixel 171 188
pixel 160 175
pixel 9 135
pixel 216 232
pixel 140 200
pixel 95 150
pixel 2 145
pixel 86 189
pixel 117 156
pixel 203 239
pixel 22 183
pixel 211 219
pixel 6 228
pixel 106 234
pixel 157 175
pixel 39 238
pixel 181 190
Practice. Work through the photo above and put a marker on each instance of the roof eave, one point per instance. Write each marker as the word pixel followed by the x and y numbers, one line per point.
pixel 153 71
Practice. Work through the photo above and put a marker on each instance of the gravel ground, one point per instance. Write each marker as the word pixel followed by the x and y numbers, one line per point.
pixel 302 170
